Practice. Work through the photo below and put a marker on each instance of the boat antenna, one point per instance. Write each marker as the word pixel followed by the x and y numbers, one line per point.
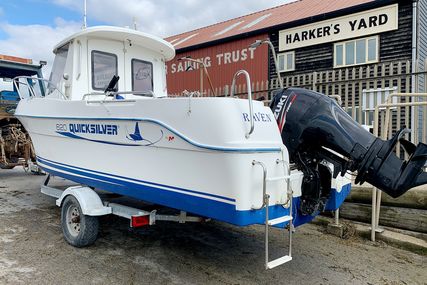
pixel 84 14
pixel 135 24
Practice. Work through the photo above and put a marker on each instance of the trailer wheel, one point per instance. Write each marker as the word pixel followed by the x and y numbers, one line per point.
pixel 79 230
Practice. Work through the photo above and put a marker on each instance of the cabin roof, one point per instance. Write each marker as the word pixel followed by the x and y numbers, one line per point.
pixel 151 42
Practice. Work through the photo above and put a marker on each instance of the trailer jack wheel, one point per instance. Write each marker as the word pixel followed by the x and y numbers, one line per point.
pixel 79 230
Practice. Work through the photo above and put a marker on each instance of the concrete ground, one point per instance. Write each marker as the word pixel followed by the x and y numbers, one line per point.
pixel 33 251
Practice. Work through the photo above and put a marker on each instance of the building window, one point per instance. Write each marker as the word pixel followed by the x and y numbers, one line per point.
pixel 286 61
pixel 356 52
pixel 104 67
pixel 142 75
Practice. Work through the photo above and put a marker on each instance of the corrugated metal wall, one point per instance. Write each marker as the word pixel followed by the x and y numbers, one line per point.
pixel 223 61
pixel 422 42
pixel 422 59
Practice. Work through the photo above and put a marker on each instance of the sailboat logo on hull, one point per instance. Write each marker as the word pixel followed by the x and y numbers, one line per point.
pixel 137 137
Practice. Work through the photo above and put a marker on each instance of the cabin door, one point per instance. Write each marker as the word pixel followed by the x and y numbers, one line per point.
pixel 106 60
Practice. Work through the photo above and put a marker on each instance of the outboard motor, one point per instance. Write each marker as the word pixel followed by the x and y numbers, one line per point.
pixel 318 132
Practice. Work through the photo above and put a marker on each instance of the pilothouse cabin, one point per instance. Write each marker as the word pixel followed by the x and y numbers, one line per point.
pixel 86 62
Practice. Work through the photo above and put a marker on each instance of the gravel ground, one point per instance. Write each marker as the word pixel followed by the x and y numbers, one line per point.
pixel 33 251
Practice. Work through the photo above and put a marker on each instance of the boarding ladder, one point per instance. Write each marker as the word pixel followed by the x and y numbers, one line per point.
pixel 266 197
pixel 279 220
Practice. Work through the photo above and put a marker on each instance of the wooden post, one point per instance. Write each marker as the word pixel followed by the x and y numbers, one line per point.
pixel 314 81
pixel 407 90
pixel 399 109
pixel 346 90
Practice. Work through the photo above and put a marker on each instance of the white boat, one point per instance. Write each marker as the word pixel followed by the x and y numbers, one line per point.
pixel 192 154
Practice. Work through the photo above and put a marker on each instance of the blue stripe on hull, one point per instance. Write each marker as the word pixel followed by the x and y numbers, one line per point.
pixel 201 206
pixel 206 207
pixel 84 171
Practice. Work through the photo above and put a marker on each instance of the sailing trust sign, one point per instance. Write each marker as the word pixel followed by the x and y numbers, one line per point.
pixel 351 26
pixel 222 61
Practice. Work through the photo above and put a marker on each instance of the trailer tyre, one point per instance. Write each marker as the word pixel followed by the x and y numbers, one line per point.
pixel 79 230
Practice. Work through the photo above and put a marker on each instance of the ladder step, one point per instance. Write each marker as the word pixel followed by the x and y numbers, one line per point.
pixel 279 261
pixel 277 178
pixel 279 220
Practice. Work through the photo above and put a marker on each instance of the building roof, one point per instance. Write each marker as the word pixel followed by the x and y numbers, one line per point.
pixel 287 13
pixel 15 59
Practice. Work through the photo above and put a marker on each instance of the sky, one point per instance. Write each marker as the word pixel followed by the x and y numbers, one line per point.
pixel 30 28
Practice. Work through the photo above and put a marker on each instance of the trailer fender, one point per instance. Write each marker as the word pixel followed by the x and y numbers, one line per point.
pixel 89 201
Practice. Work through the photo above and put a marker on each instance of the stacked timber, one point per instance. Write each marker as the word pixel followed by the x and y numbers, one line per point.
pixel 407 212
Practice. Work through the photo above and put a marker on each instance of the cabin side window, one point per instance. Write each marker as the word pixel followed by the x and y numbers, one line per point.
pixel 58 67
pixel 104 67
pixel 142 75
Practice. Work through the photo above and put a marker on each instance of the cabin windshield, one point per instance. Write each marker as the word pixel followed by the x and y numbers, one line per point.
pixel 58 67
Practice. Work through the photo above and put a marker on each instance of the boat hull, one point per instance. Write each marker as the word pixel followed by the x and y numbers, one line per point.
pixel 195 162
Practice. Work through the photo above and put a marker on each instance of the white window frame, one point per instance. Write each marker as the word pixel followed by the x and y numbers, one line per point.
pixel 343 44
pixel 92 66
pixel 285 62
pixel 148 63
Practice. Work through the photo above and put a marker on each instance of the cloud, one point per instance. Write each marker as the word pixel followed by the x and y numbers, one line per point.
pixel 35 41
pixel 161 17
pixel 167 17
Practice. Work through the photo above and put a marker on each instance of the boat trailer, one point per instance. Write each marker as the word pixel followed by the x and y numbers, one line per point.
pixel 82 205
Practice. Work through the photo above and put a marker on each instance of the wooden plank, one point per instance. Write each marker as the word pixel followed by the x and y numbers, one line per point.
pixel 399 109
pixel 407 110
pixel 304 82
pixel 402 218
pixel 415 198
pixel 320 85
pixel 326 82
pixel 361 121
pixel 332 80
pixel 314 81
pixel 346 91
pixel 353 95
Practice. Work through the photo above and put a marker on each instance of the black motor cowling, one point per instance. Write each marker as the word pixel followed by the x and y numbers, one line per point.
pixel 315 129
